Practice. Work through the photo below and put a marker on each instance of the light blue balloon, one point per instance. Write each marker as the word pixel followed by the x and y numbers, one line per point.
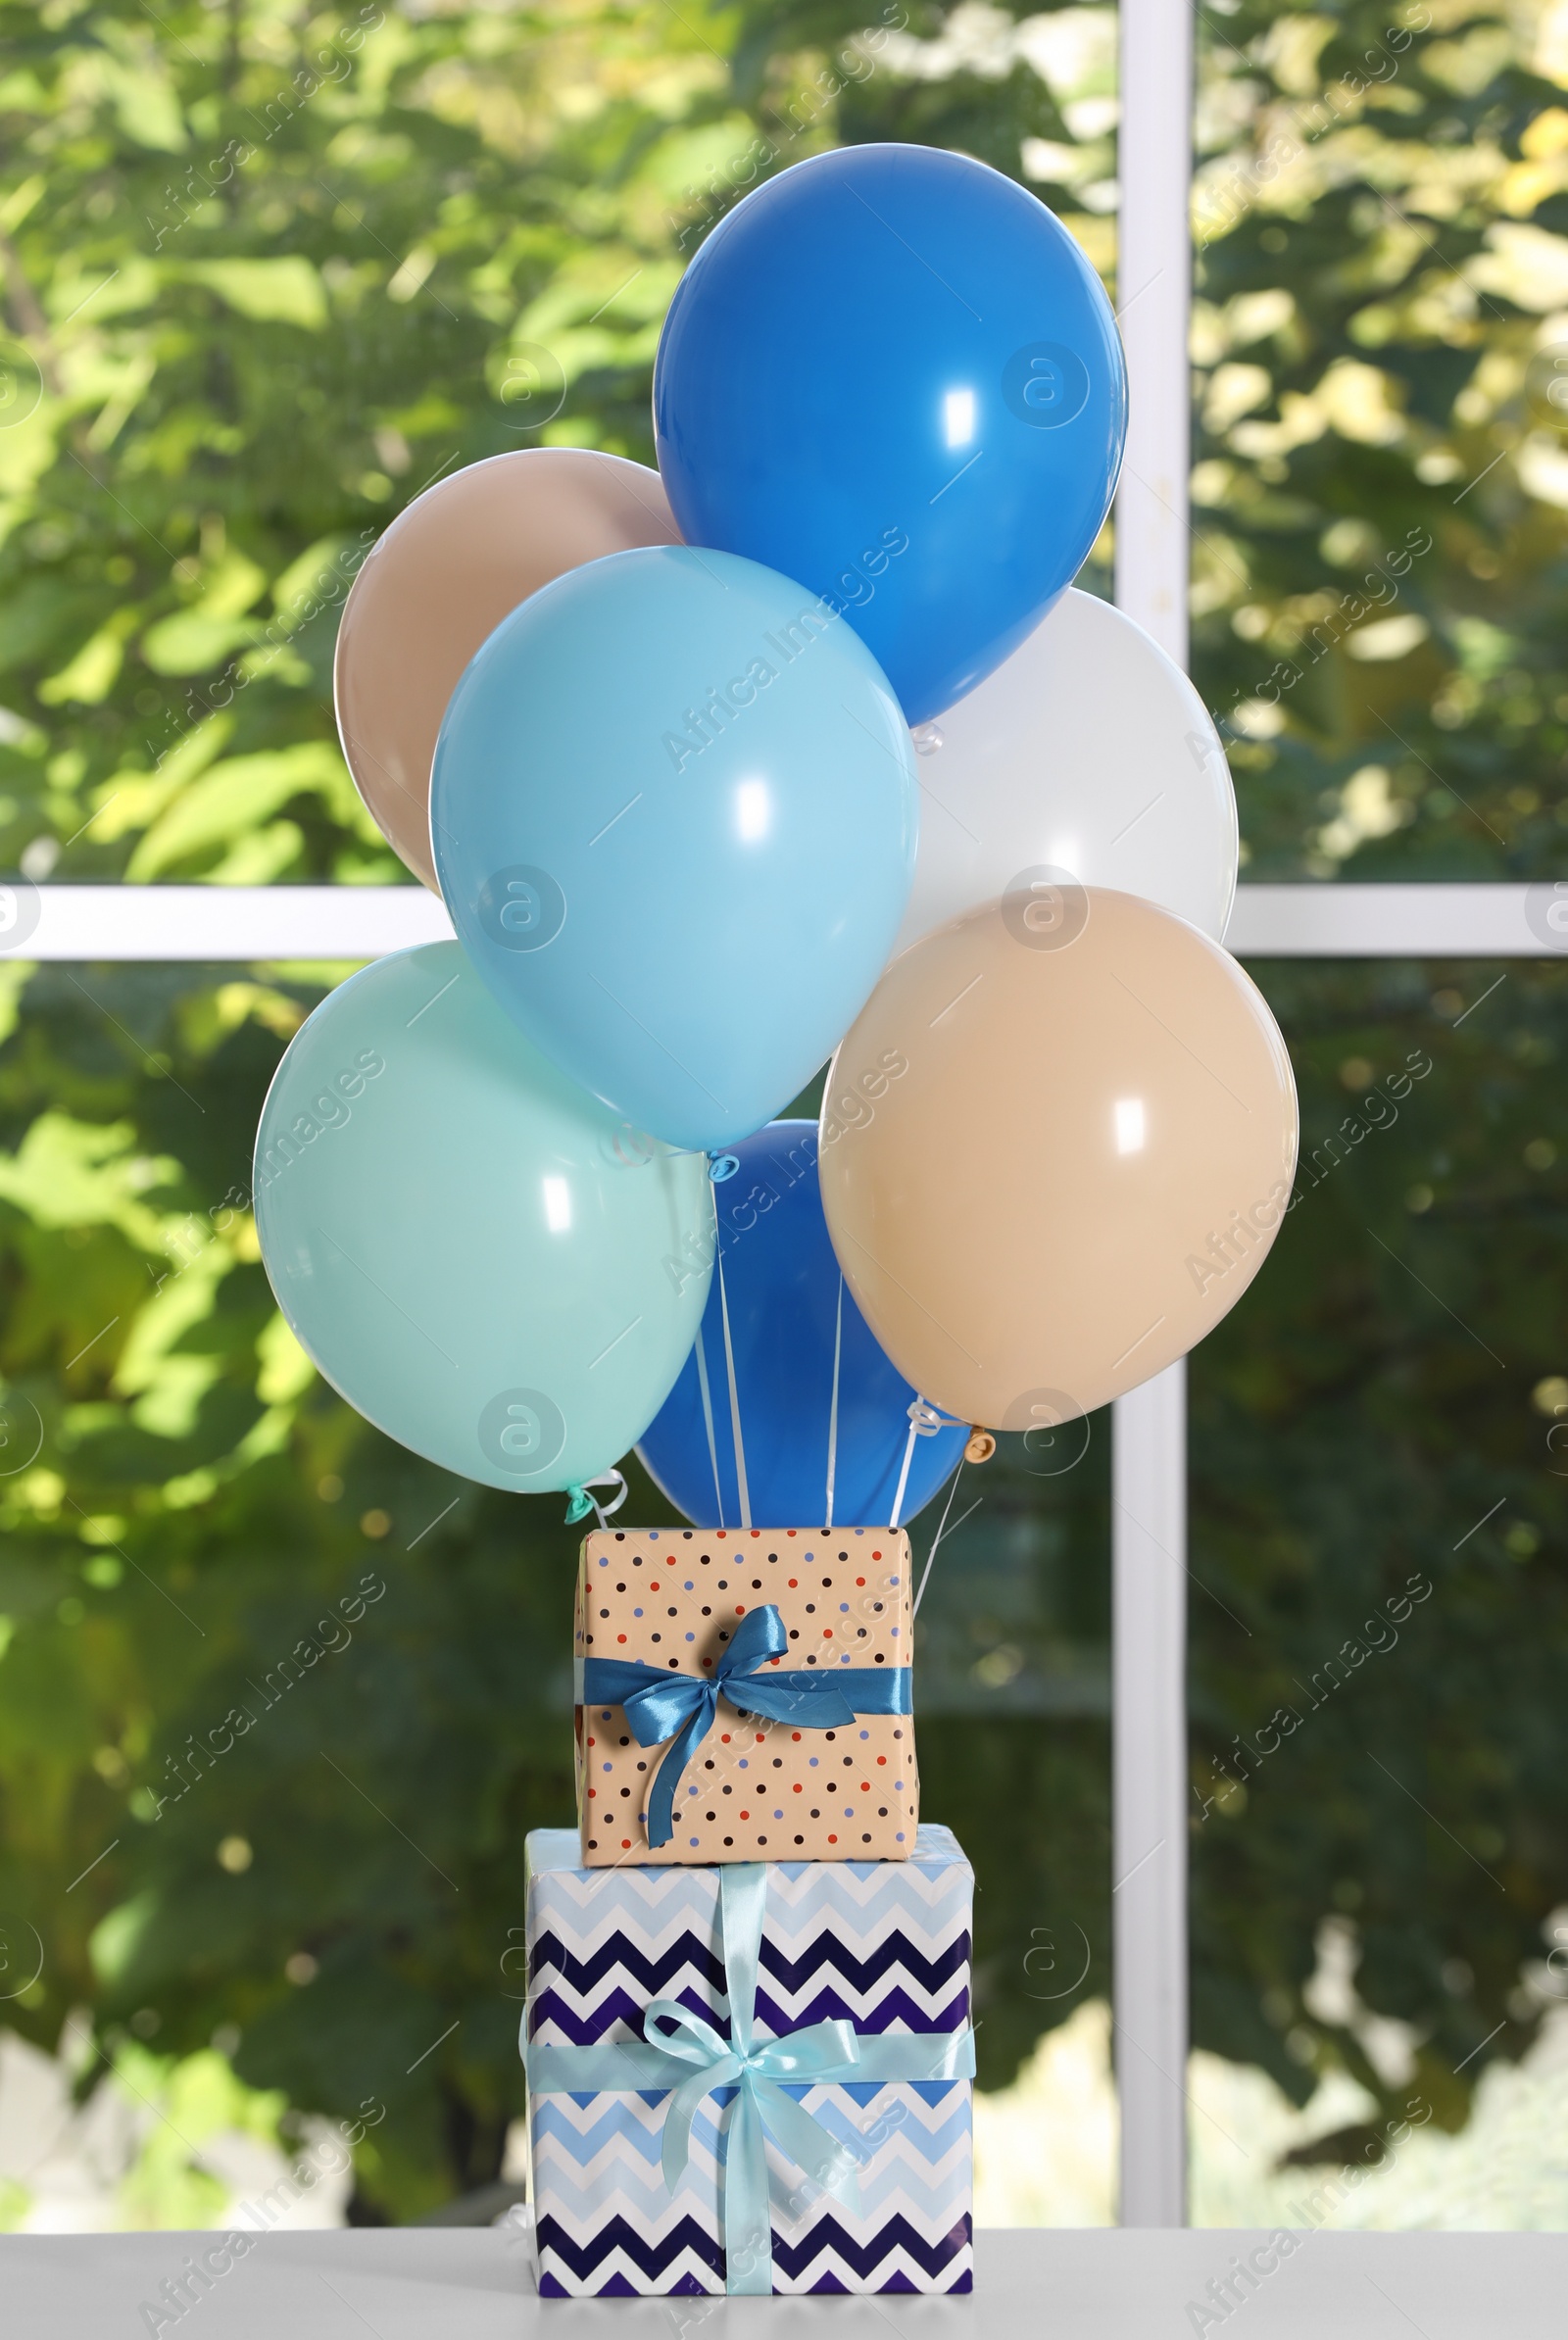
pixel 488 1264
pixel 674 813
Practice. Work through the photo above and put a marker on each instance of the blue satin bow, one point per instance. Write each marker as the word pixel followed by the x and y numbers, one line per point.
pixel 697 2060
pixel 683 1707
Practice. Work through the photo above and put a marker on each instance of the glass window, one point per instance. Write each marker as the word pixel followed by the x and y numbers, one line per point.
pixel 1380 490
pixel 1015 1701
pixel 1379 1625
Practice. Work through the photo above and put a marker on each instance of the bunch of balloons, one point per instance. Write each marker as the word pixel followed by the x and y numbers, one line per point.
pixel 798 745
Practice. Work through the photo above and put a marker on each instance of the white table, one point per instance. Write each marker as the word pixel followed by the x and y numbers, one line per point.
pixel 465 2283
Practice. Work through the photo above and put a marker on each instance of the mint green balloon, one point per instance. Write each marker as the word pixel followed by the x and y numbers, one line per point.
pixel 485 1262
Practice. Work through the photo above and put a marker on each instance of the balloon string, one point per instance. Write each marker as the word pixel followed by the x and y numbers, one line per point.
pixel 833 1410
pixel 708 1424
pixel 903 1475
pixel 609 1479
pixel 734 1403
pixel 924 1423
pixel 947 1507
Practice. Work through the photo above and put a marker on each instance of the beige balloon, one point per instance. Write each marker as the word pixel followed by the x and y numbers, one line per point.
pixel 1056 1148
pixel 439 582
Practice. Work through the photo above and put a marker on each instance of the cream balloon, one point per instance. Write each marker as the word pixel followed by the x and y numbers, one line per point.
pixel 1088 752
pixel 439 582
pixel 1055 1147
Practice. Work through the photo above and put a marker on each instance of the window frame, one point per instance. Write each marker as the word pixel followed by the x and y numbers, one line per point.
pixel 1324 920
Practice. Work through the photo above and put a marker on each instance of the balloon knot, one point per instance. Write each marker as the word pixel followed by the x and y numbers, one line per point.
pixel 582 1501
pixel 721 1166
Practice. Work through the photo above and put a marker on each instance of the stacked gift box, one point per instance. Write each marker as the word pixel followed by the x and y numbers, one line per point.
pixel 747 2030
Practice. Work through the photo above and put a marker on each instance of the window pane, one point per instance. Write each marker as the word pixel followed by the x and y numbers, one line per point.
pixel 1013 1658
pixel 1379 1651
pixel 1381 463
pixel 405 241
pixel 281 1700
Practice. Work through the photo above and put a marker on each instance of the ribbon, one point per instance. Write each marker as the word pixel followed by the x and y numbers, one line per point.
pixel 941 1529
pixel 741 1487
pixel 690 2059
pixel 682 1708
pixel 707 1396
pixel 583 1502
pixel 833 1403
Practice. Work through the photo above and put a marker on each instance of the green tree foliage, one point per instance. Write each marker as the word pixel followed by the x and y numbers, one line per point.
pixel 1381 523
pixel 1381 496
pixel 1380 1604
pixel 278 1702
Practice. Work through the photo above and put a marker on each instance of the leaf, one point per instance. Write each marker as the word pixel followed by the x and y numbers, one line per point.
pixel 261 856
pixel 86 295
pixel 70 1173
pixel 201 636
pixel 286 291
pixel 234 798
pixel 286 1372
pixel 146 106
pixel 133 799
pixel 168 1386
pixel 93 672
pixel 116 1938
pixel 320 574
pixel 230 586
pixel 33 622
pixel 192 642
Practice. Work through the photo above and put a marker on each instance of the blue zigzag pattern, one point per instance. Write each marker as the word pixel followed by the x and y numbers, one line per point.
pixel 550 1954
pixel 557 2019
pixel 652 1973
pixel 652 2259
pixel 883 1946
pixel 931 2256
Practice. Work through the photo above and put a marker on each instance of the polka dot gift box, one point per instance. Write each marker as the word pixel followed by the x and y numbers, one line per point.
pixel 745 1696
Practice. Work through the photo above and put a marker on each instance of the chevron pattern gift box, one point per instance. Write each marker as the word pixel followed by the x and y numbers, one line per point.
pixel 745 1696
pixel 750 2077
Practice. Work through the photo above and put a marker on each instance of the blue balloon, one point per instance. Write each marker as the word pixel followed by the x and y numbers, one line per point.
pixel 782 1287
pixel 674 816
pixel 892 374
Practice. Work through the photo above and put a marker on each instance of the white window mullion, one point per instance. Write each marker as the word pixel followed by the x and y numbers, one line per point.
pixel 1148 1515
pixel 240 923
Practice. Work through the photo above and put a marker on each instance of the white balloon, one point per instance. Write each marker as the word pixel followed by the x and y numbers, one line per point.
pixel 1087 753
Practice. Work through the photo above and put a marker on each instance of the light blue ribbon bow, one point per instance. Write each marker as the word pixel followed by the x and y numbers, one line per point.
pixel 697 2060
pixel 684 1707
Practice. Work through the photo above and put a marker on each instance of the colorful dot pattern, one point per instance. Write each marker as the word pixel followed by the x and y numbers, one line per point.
pixel 754 1790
